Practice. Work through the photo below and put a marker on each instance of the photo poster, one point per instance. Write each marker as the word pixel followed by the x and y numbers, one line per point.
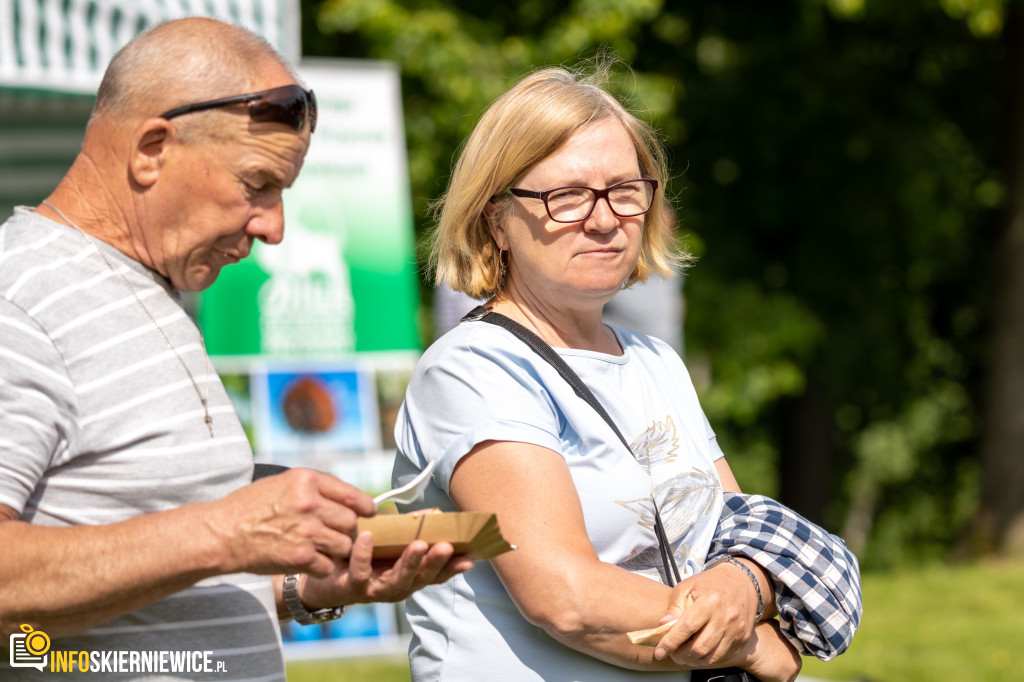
pixel 320 411
pixel 337 417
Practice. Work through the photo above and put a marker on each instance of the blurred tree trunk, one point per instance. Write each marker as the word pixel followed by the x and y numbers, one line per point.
pixel 999 524
pixel 805 471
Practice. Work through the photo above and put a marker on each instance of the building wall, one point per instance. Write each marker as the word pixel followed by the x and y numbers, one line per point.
pixel 40 134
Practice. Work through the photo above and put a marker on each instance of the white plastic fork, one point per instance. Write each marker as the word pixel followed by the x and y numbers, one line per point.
pixel 411 491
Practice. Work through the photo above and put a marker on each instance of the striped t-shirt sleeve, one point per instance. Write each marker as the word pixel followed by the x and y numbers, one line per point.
pixel 37 404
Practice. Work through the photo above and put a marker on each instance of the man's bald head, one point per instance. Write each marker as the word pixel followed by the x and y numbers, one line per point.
pixel 182 61
pixel 187 195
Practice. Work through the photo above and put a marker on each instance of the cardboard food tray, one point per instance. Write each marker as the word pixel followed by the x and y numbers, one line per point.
pixel 475 534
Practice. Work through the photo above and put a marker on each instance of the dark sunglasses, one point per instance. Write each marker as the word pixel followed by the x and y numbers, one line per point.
pixel 288 104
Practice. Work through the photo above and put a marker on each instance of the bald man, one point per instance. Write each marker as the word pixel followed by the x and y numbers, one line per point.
pixel 127 519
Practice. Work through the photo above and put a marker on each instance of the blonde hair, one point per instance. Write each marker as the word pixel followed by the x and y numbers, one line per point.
pixel 520 129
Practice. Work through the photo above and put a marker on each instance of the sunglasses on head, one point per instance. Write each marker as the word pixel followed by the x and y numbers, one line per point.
pixel 288 104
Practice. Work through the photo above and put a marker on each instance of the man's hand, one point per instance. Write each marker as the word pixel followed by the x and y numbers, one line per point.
pixel 360 579
pixel 303 521
pixel 299 521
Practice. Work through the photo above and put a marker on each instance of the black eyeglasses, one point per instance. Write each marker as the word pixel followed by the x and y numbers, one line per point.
pixel 288 104
pixel 575 204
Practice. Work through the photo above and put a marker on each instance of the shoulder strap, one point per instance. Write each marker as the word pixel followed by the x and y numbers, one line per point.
pixel 539 346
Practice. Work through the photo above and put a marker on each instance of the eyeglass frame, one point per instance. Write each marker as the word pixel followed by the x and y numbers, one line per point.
pixel 311 108
pixel 598 195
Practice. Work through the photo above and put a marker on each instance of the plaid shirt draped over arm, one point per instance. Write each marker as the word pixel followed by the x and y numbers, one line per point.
pixel 817 579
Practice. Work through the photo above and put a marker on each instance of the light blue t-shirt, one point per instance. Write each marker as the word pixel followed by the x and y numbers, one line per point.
pixel 478 383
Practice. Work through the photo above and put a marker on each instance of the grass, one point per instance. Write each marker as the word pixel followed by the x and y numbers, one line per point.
pixel 939 623
pixel 350 670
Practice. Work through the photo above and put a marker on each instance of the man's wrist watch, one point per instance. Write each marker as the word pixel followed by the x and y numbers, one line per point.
pixel 298 610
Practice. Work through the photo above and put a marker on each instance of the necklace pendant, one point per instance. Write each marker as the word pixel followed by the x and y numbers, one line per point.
pixel 209 424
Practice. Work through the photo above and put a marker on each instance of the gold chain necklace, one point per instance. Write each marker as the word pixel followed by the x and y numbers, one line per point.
pixel 202 395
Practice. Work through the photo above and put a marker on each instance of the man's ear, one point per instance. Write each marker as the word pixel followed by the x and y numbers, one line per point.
pixel 150 145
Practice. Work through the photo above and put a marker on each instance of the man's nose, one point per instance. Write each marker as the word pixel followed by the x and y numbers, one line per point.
pixel 267 224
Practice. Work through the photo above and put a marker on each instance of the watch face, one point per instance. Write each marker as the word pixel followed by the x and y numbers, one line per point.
pixel 325 615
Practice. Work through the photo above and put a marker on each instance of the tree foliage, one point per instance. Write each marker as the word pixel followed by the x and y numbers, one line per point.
pixel 837 168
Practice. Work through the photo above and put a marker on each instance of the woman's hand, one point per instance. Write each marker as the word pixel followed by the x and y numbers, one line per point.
pixel 716 631
pixel 766 654
pixel 717 624
pixel 769 656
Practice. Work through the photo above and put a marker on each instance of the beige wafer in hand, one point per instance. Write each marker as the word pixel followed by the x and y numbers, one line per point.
pixel 652 636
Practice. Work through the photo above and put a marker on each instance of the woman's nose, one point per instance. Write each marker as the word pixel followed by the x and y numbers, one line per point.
pixel 602 218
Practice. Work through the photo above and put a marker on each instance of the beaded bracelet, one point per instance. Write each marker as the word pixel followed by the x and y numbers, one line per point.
pixel 753 579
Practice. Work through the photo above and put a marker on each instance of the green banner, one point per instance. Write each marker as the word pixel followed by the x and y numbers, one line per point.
pixel 344 280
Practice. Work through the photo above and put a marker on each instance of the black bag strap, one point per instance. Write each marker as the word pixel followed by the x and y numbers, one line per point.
pixel 539 346
pixel 263 469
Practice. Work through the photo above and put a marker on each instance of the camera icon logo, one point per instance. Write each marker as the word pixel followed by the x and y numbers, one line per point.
pixel 29 649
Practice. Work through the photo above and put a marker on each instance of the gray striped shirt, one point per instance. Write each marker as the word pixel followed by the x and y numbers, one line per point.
pixel 99 423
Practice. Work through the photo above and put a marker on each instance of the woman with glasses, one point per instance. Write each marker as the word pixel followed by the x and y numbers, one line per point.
pixel 556 203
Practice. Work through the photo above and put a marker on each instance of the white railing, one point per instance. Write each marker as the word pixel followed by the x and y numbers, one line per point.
pixel 65 46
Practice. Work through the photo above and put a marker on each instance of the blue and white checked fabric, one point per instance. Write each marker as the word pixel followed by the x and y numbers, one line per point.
pixel 817 579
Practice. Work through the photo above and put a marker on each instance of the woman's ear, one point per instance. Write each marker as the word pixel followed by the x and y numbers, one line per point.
pixel 495 226
pixel 150 146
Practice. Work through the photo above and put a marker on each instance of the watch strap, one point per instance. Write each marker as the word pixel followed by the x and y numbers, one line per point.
pixel 298 610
